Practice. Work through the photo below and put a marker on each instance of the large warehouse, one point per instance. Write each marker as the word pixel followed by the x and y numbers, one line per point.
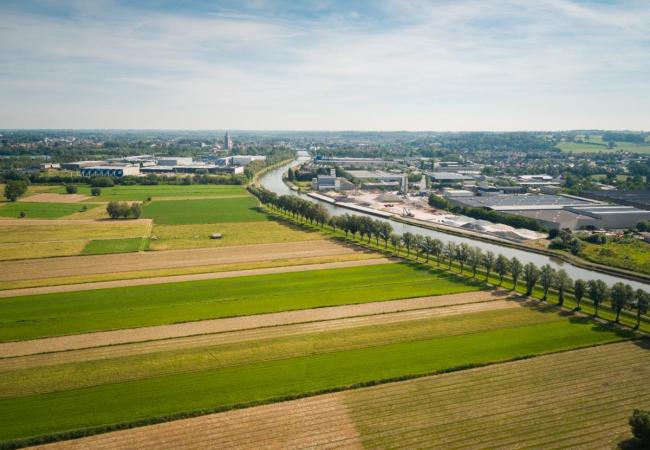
pixel 559 211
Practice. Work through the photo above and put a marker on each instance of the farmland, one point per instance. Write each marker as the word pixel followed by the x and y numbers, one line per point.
pixel 262 371
pixel 180 212
pixel 172 237
pixel 37 210
pixel 500 406
pixel 24 239
pixel 98 247
pixel 142 193
pixel 57 314
pixel 597 145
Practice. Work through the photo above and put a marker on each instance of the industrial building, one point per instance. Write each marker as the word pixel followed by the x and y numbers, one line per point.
pixel 448 178
pixel 611 217
pixel 244 160
pixel 521 202
pixel 331 182
pixel 636 198
pixel 111 170
pixel 175 161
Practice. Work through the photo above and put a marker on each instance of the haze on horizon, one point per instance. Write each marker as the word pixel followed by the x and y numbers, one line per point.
pixel 325 65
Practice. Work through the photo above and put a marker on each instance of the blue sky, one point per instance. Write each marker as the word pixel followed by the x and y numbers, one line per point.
pixel 365 65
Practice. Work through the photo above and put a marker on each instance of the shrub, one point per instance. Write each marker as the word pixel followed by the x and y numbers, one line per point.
pixel 70 189
pixel 22 214
pixel 136 210
pixel 640 424
pixel 95 191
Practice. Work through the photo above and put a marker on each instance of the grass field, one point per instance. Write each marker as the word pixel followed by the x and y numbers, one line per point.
pixel 34 210
pixel 99 247
pixel 256 372
pixel 181 212
pixel 46 240
pixel 29 317
pixel 599 146
pixel 633 256
pixel 172 237
pixel 142 193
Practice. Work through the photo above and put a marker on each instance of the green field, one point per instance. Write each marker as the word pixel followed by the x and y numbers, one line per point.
pixel 142 193
pixel 29 317
pixel 181 212
pixel 172 237
pixel 103 246
pixel 37 210
pixel 634 256
pixel 270 374
pixel 597 145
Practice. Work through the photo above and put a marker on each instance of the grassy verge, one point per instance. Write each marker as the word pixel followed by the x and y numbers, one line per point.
pixel 37 210
pixel 103 246
pixel 180 212
pixel 28 317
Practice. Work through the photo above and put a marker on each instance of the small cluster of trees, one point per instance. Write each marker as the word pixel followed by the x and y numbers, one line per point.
pixel 620 296
pixel 15 188
pixel 122 210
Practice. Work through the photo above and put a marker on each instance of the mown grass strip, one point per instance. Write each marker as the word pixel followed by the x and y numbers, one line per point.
pixel 28 317
pixel 174 396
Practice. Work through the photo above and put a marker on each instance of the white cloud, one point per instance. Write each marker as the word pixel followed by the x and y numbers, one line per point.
pixel 415 65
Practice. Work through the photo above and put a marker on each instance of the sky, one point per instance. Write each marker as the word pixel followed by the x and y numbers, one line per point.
pixel 437 65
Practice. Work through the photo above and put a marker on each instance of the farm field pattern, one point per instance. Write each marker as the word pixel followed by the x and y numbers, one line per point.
pixel 268 314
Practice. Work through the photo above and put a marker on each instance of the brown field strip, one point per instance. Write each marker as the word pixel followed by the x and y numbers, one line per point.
pixel 203 327
pixel 128 262
pixel 190 277
pixel 444 307
pixel 56 198
pixel 576 399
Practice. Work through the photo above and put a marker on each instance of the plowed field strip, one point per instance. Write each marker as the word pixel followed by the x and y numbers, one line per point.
pixel 101 339
pixel 577 399
pixel 97 264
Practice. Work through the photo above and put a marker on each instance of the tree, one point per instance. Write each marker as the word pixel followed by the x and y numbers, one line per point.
pixel 502 266
pixel 113 210
pixel 136 210
pixel 562 284
pixel 436 249
pixel 598 292
pixel 395 241
pixel 320 214
pixel 515 271
pixel 428 247
pixel 546 277
pixel 579 289
pixel 475 259
pixel 418 244
pixel 462 253
pixel 70 189
pixel 14 189
pixel 531 275
pixel 102 182
pixel 488 263
pixel 408 239
pixel 640 424
pixel 95 191
pixel 450 252
pixel 621 295
pixel 385 231
pixel 641 304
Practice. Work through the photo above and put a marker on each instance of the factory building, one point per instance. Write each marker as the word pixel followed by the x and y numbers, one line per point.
pixel 111 171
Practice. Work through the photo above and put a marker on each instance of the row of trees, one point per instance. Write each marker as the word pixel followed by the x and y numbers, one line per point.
pixel 620 296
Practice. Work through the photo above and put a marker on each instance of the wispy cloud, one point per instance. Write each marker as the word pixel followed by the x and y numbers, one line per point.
pixel 394 64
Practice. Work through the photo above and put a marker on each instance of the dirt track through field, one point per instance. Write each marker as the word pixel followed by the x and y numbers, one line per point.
pixel 106 338
pixel 576 399
pixel 128 262
pixel 444 308
pixel 189 277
